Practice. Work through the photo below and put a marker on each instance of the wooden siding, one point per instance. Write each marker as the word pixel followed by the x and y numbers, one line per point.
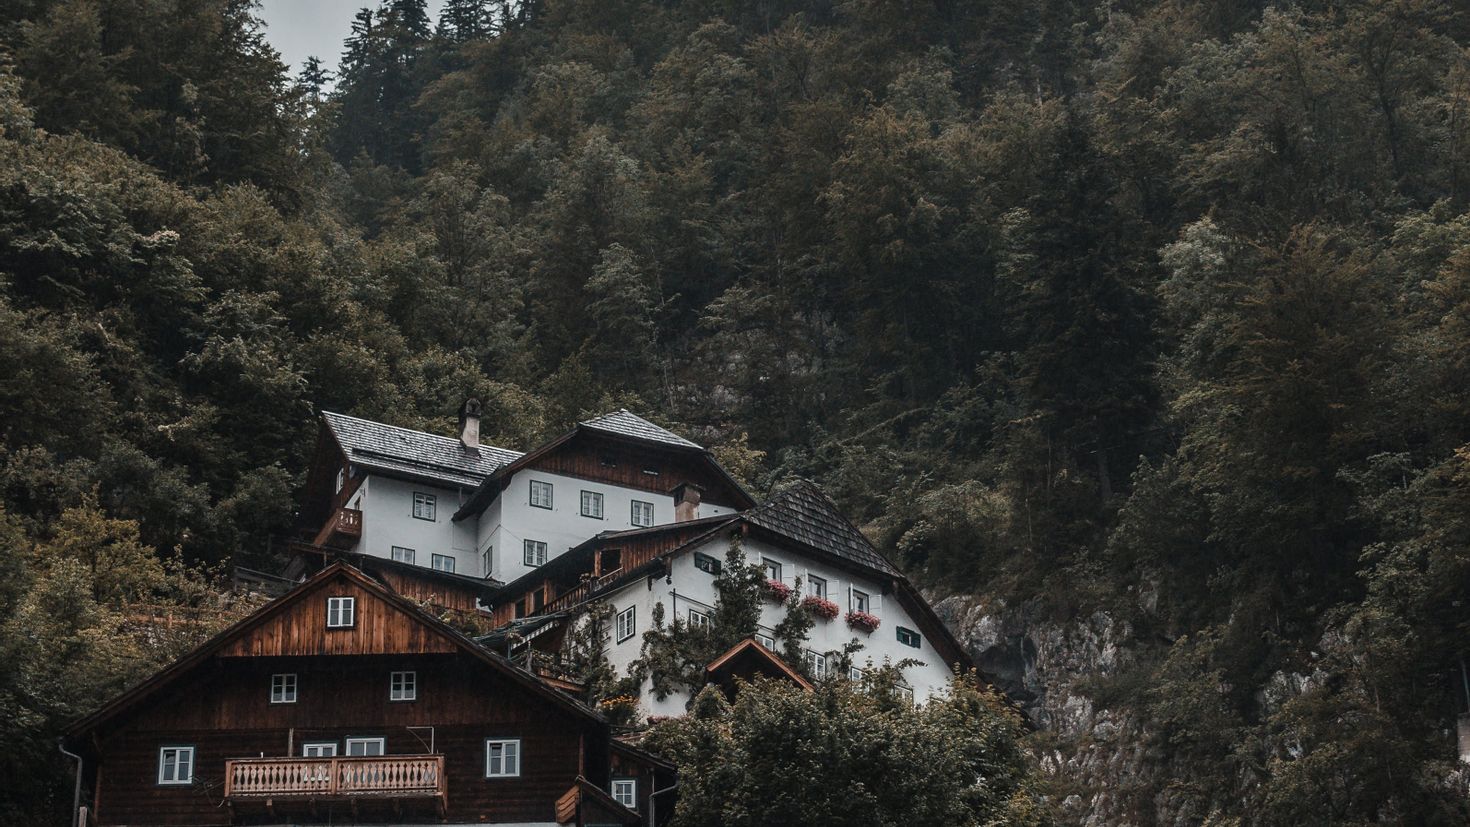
pixel 588 457
pixel 224 711
pixel 441 594
pixel 379 628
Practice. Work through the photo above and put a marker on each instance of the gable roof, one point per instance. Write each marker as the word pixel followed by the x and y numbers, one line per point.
pixel 623 423
pixel 803 513
pixel 235 636
pixel 406 452
pixel 752 656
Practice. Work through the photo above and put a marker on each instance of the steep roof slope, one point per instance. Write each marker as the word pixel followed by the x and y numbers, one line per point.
pixel 805 514
pixel 623 423
pixel 403 451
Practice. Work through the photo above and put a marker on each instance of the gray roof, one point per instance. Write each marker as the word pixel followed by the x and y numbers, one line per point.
pixel 622 423
pixel 401 451
pixel 803 513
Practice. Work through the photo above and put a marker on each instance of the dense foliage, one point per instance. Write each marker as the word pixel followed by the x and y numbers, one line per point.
pixel 1059 299
pixel 847 755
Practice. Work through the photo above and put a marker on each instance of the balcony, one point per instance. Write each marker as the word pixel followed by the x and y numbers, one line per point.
pixel 382 777
pixel 342 530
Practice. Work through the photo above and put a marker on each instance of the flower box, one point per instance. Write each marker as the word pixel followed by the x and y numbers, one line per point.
pixel 820 606
pixel 863 621
pixel 777 591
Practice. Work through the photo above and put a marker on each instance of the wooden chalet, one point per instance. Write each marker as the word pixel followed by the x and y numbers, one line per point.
pixel 344 703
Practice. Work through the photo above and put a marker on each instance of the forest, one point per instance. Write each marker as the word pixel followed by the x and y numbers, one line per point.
pixel 1153 307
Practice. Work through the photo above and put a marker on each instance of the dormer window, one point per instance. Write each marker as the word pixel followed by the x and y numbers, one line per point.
pixel 341 612
pixel 540 494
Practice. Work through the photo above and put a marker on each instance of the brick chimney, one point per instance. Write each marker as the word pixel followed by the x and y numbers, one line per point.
pixel 469 425
pixel 686 501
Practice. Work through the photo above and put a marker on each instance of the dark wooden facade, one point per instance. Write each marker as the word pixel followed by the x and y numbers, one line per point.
pixel 218 701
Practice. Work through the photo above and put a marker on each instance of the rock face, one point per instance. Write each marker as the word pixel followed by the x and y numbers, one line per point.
pixel 1097 756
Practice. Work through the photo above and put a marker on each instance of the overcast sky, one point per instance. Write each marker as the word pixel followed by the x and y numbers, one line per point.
pixel 301 28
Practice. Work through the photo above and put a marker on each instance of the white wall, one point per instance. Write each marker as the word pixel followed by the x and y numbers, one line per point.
pixel 511 519
pixel 694 589
pixel 387 521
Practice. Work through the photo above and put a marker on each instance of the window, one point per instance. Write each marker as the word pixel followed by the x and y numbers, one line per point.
pixel 423 506
pixel 626 623
pixel 502 759
pixel 854 673
pixel 442 562
pixel 642 513
pixel 625 792
pixel 698 619
pixel 364 746
pixel 859 601
pixel 176 765
pixel 592 504
pixel 341 612
pixel 403 686
pixel 706 563
pixel 773 569
pixel 540 494
pixel 816 586
pixel 816 664
pixel 320 749
pixel 341 476
pixel 403 555
pixel 535 553
pixel 487 561
pixel 612 560
pixel 283 689
pixel 905 692
pixel 766 641
pixel 908 637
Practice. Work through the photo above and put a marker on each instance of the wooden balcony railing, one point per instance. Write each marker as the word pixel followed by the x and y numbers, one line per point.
pixel 582 591
pixel 379 776
pixel 341 530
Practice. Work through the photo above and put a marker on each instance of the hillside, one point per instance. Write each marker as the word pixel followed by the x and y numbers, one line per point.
pixel 1137 332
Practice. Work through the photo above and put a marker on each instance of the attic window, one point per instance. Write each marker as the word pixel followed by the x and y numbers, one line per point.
pixel 609 462
pixel 908 637
pixel 652 472
pixel 706 563
pixel 341 612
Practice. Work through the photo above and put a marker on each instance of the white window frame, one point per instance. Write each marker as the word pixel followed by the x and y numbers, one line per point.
pixel 540 488
pixel 364 742
pixel 641 509
pixel 860 602
pixel 699 620
pixel 625 788
pixel 631 624
pixel 487 560
pixel 510 754
pixel 319 749
pixel 425 506
pixel 403 686
pixel 766 641
pixel 437 561
pixel 854 673
pixel 772 568
pixel 816 663
pixel 341 478
pixel 397 553
pixel 283 688
pixel 592 503
pixel 344 610
pixel 533 550
pixel 177 751
pixel 816 586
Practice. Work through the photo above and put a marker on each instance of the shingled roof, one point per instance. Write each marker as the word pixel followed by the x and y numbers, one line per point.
pixel 803 513
pixel 623 423
pixel 402 451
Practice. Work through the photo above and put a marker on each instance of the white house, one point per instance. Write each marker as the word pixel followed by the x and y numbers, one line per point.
pixel 616 510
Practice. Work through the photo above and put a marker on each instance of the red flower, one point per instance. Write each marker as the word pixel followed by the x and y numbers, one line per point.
pixel 862 620
pixel 820 606
pixel 777 591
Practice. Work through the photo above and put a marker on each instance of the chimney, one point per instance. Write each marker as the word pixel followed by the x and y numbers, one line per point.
pixel 469 425
pixel 686 501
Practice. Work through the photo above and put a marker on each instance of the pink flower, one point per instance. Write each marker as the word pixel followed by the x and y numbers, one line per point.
pixel 862 620
pixel 777 591
pixel 820 606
